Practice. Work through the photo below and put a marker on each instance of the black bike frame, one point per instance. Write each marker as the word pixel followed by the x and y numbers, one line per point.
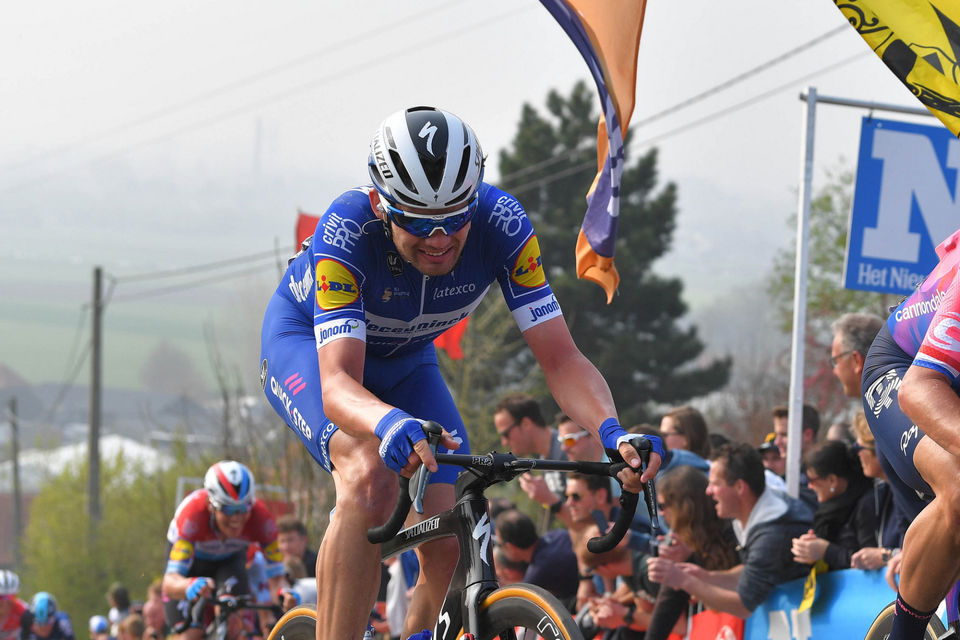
pixel 468 520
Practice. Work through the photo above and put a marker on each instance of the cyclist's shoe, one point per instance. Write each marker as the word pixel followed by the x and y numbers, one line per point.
pixel 426 634
pixel 368 634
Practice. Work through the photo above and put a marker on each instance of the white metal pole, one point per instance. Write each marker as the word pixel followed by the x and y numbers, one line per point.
pixel 795 404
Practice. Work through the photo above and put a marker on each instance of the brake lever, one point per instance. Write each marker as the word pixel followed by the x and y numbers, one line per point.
pixel 422 477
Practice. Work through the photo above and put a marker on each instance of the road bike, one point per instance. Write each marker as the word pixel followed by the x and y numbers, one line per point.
pixel 212 615
pixel 476 607
pixel 936 630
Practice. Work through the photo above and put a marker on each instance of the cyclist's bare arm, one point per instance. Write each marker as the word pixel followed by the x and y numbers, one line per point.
pixel 345 400
pixel 349 405
pixel 927 398
pixel 580 389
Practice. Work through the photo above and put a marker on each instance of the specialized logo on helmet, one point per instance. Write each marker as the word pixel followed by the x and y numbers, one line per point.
pixel 336 286
pixel 428 131
pixel 528 270
pixel 379 158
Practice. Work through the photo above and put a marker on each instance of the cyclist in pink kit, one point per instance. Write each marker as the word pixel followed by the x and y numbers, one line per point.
pixel 911 379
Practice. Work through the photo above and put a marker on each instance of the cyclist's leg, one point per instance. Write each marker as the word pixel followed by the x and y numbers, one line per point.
pixel 424 394
pixel 931 548
pixel 438 560
pixel 348 567
pixel 231 578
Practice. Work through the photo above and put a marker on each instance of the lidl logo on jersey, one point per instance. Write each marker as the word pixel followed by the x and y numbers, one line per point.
pixel 336 286
pixel 906 201
pixel 182 551
pixel 528 269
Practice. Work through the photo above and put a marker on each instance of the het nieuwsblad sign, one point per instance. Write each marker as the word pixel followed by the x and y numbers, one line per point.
pixel 905 203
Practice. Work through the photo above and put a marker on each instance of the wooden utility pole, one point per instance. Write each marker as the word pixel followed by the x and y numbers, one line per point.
pixel 93 441
pixel 17 491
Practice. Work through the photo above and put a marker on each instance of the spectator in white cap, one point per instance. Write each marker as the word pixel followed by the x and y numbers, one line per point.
pixel 99 628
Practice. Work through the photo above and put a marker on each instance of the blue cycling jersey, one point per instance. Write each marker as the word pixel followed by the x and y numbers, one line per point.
pixel 350 281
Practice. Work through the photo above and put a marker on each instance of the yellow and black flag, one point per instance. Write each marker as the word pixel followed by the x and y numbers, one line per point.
pixel 919 40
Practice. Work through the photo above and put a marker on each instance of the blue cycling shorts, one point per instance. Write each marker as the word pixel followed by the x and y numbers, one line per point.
pixel 895 434
pixel 290 377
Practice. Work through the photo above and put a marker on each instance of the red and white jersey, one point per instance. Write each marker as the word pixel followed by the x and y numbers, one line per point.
pixel 19 619
pixel 193 534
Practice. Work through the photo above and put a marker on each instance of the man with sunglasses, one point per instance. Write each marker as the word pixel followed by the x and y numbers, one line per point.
pixel 347 354
pixel 208 538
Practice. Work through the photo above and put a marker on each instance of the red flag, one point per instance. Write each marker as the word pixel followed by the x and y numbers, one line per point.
pixel 449 340
pixel 306 225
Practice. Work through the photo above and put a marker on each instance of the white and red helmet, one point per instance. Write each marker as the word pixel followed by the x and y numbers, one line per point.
pixel 9 583
pixel 229 484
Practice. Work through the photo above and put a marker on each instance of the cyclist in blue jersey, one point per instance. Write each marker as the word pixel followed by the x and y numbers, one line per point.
pixel 347 354
pixel 49 623
pixel 911 379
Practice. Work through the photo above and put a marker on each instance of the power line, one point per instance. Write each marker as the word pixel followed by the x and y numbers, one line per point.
pixel 222 89
pixel 190 285
pixel 726 84
pixel 167 273
pixel 742 76
pixel 688 126
pixel 746 103
pixel 274 98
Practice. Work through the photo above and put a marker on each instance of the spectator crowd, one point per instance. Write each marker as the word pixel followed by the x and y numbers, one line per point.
pixel 729 532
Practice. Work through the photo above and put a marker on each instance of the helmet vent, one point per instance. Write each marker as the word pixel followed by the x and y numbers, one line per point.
pixel 402 171
pixel 433 168
pixel 462 173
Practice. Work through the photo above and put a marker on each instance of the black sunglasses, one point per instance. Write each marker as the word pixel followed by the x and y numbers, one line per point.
pixel 506 432
pixel 857 448
pixel 574 496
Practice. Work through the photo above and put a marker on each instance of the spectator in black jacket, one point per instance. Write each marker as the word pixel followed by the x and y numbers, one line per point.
pixel 764 521
pixel 844 519
pixel 551 562
pixel 293 542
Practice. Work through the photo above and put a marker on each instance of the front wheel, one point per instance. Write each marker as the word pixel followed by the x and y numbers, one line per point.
pixel 882 624
pixel 525 612
pixel 300 623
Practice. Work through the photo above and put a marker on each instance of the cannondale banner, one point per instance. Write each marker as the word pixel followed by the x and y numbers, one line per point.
pixel 905 203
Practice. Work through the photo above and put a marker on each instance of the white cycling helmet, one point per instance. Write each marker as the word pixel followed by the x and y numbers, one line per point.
pixel 229 484
pixel 425 157
pixel 9 583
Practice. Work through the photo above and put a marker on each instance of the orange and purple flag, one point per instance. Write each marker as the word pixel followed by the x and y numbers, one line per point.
pixel 919 41
pixel 607 34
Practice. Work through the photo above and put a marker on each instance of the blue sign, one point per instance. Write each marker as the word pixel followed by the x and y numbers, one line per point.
pixel 905 203
pixel 845 605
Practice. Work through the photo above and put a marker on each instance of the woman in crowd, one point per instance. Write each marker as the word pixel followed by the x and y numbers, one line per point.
pixel 843 522
pixel 890 523
pixel 684 428
pixel 697 536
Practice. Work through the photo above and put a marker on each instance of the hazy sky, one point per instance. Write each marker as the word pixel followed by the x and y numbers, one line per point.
pixel 145 137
